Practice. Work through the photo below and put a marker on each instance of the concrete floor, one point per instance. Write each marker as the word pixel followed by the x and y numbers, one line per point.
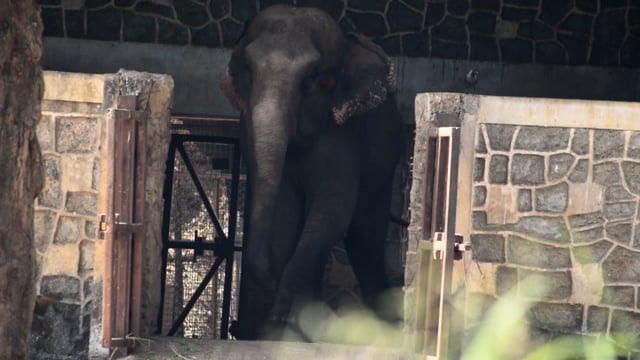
pixel 200 349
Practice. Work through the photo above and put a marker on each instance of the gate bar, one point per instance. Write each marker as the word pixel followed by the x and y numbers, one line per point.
pixel 201 192
pixel 230 243
pixel 166 215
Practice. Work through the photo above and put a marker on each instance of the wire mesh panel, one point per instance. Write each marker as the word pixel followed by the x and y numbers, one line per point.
pixel 193 243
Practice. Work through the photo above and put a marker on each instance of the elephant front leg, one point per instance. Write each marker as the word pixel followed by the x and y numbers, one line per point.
pixel 300 283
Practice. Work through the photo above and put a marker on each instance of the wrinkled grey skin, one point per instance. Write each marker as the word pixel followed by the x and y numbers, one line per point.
pixel 323 136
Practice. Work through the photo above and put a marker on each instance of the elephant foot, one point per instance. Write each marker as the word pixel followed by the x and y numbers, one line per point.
pixel 283 331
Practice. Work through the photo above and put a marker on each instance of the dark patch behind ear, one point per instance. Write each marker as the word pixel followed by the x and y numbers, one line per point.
pixel 367 79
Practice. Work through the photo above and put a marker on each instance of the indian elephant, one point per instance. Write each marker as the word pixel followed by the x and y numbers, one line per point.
pixel 323 135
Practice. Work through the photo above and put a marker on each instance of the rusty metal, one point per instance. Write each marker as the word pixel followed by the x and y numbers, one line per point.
pixel 439 247
pixel 121 224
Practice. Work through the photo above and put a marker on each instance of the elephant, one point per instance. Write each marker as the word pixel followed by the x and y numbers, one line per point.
pixel 322 136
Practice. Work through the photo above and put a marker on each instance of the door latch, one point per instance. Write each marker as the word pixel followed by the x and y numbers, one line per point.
pixel 439 246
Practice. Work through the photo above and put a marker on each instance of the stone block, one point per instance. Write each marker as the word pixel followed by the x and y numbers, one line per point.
pixel 44 131
pixel 488 247
pixel 607 174
pixel 617 193
pixel 631 172
pixel 619 232
pixel 500 136
pixel 527 169
pixel 553 199
pixel 479 195
pixel 542 139
pixel 61 259
pixel 586 220
pixel 591 253
pixel 44 225
pixel 70 230
pixel 524 200
pixel 621 266
pixel 619 210
pixel 403 18
pixel 608 144
pixel 498 169
pixel 521 251
pixel 559 165
pixel 483 22
pixel 136 28
pixel 61 287
pixel 580 172
pixel 77 172
pixel 633 147
pixel 551 229
pixel 478 169
pixel 589 235
pixel 620 296
pixel 51 195
pixel 81 203
pixel 104 24
pixel 625 322
pixel 557 285
pixel 580 142
pixel 558 317
pixel 597 319
pixel 76 134
pixel 57 333
pixel 171 33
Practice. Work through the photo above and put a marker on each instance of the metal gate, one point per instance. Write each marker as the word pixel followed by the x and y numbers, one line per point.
pixel 202 236
pixel 435 336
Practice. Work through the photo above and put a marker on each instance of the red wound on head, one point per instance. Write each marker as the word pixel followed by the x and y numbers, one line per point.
pixel 328 81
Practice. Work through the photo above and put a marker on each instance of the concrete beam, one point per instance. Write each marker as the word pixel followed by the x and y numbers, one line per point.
pixel 197 72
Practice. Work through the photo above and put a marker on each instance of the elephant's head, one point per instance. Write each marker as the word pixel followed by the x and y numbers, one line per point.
pixel 293 74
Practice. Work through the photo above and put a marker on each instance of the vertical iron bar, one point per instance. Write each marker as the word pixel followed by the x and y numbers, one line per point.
pixel 201 192
pixel 166 221
pixel 230 242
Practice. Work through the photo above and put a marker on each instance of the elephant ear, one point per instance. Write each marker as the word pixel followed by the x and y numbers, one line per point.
pixel 366 79
pixel 229 91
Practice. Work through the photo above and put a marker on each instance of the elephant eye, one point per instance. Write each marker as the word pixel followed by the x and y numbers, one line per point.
pixel 328 80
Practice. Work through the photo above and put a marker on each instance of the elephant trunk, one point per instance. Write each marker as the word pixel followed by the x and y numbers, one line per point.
pixel 268 131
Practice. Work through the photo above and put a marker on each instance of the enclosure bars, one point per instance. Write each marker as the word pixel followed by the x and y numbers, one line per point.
pixel 439 247
pixel 224 245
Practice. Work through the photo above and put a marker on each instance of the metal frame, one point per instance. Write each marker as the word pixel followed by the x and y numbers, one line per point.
pixel 224 247
pixel 438 248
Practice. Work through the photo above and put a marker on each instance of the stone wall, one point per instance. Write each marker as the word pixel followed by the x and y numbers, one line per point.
pixel 602 33
pixel 68 316
pixel 550 189
pixel 65 214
